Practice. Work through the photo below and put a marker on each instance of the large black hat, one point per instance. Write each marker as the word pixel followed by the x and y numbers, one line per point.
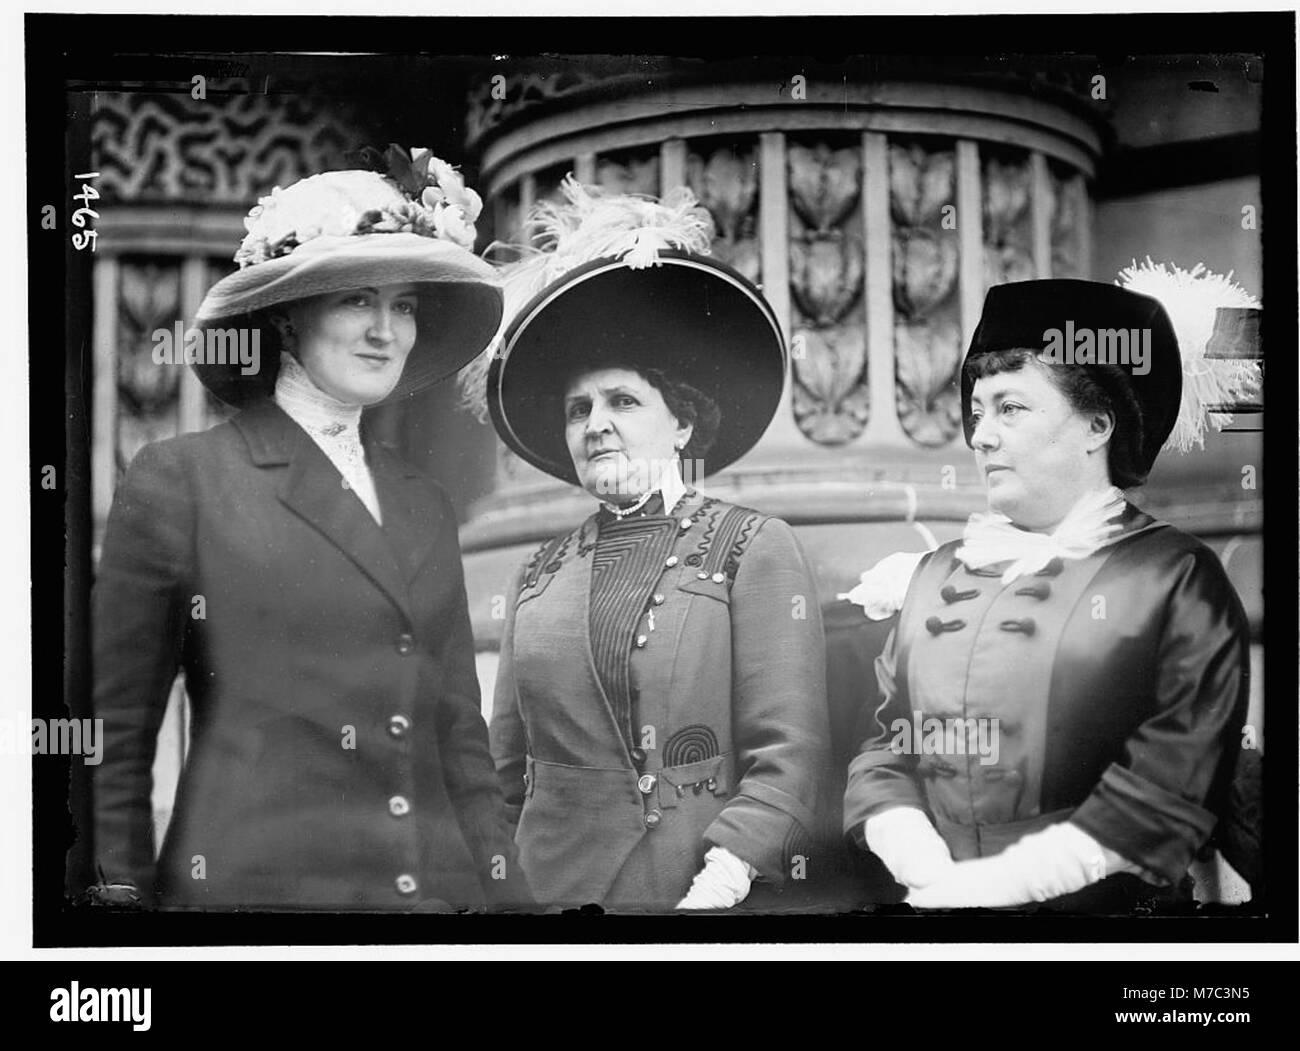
pixel 1020 315
pixel 674 310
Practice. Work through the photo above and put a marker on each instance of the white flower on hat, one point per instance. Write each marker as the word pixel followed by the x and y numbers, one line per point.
pixel 327 205
pixel 455 193
pixel 423 195
pixel 451 224
pixel 454 207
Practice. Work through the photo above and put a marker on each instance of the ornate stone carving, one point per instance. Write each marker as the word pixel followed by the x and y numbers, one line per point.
pixel 920 184
pixel 826 276
pixel 1009 262
pixel 925 270
pixel 519 91
pixel 1067 223
pixel 629 173
pixel 830 393
pixel 225 148
pixel 824 184
pixel 148 300
pixel 928 355
pixel 925 253
pixel 726 183
pixel 1007 256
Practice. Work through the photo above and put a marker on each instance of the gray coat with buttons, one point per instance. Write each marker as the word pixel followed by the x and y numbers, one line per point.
pixel 338 758
pixel 730 738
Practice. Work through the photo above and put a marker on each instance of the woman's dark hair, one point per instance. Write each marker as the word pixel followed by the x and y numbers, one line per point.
pixel 1088 388
pixel 688 404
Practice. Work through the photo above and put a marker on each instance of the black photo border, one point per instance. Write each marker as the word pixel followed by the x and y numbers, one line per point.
pixel 65 48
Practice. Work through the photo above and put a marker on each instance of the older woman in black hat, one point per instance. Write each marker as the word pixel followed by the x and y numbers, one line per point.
pixel 659 721
pixel 1066 685
pixel 308 582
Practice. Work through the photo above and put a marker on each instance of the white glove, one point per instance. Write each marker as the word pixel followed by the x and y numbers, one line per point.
pixel 911 848
pixel 723 882
pixel 1061 859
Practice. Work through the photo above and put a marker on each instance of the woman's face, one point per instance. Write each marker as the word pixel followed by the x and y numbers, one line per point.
pixel 354 344
pixel 621 434
pixel 1036 453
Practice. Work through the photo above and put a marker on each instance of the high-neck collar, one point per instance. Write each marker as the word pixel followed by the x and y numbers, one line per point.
pixel 671 489
pixel 309 406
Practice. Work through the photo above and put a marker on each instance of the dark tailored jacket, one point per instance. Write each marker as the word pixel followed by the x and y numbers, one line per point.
pixel 730 685
pixel 1120 683
pixel 338 755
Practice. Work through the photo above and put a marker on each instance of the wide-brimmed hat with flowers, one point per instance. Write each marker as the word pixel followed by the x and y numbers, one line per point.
pixel 356 229
pixel 626 280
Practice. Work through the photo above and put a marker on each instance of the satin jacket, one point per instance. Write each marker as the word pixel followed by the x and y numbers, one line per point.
pixel 1118 683
pixel 724 741
pixel 338 757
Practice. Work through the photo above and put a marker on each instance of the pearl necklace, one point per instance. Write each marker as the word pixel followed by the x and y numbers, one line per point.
pixel 631 509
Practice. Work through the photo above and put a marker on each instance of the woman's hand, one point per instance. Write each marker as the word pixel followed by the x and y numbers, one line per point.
pixel 910 847
pixel 723 882
pixel 1059 860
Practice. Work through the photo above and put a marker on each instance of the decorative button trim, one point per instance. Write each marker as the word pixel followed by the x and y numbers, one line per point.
pixel 398 725
pixel 399 806
pixel 406 884
pixel 937 625
pixel 950 594
pixel 646 784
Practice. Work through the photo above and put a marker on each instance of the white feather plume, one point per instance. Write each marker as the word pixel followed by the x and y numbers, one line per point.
pixel 587 224
pixel 1190 298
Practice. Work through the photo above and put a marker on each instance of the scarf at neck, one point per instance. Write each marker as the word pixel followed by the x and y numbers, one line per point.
pixel 332 424
pixel 990 538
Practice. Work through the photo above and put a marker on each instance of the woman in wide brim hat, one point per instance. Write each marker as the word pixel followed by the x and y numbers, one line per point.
pixel 1065 687
pixel 308 582
pixel 659 720
pixel 692 317
pixel 342 231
